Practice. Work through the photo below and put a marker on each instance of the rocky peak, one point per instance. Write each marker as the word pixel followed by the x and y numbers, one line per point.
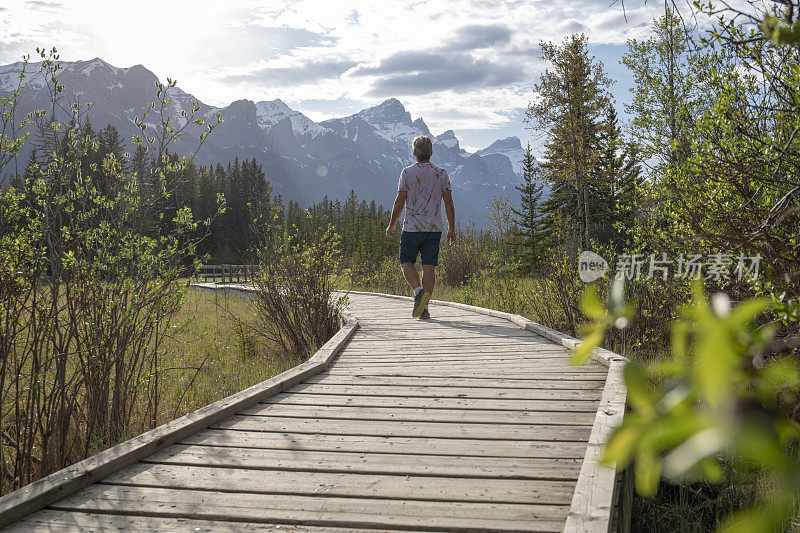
pixel 509 143
pixel 241 108
pixel 448 139
pixel 389 111
pixel 420 124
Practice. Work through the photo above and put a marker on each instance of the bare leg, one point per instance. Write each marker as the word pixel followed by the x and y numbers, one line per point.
pixel 428 278
pixel 410 274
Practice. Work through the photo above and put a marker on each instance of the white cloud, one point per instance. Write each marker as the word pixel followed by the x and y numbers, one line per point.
pixel 478 57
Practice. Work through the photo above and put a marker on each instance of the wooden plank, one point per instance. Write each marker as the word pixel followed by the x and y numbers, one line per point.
pixel 398 351
pixel 500 377
pixel 457 360
pixel 379 463
pixel 315 510
pixel 592 503
pixel 457 381
pixel 402 348
pixel 599 354
pixel 467 416
pixel 476 359
pixel 532 364
pixel 379 326
pixel 406 429
pixel 49 489
pixel 426 338
pixel 529 368
pixel 446 392
pixel 476 331
pixel 295 443
pixel 49 520
pixel 465 344
pixel 443 354
pixel 486 332
pixel 350 484
pixel 458 352
pixel 501 406
pixel 482 372
pixel 475 356
pixel 448 319
pixel 521 359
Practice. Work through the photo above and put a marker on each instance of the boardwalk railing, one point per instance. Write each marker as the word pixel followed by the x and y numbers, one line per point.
pixel 227 273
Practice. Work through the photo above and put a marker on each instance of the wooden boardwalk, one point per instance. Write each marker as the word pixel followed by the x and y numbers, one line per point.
pixel 466 422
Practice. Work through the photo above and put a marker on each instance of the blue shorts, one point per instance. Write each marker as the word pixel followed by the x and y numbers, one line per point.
pixel 424 243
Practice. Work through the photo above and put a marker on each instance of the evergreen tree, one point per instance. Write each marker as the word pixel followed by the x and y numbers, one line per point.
pixel 529 233
pixel 140 166
pixel 616 181
pixel 31 171
pixel 571 107
pixel 109 142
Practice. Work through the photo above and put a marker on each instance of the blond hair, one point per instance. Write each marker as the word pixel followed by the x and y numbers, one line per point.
pixel 422 147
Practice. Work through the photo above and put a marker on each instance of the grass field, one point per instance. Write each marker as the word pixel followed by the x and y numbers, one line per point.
pixel 213 352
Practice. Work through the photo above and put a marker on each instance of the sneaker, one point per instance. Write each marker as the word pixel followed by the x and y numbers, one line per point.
pixel 425 314
pixel 420 303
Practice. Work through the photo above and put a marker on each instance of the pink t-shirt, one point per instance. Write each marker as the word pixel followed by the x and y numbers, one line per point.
pixel 425 183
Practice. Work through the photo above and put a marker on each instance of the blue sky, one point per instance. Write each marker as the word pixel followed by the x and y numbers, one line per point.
pixel 466 65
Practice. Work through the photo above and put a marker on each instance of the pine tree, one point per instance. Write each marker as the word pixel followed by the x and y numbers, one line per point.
pixel 31 171
pixel 530 234
pixel 571 107
pixel 140 166
pixel 110 142
pixel 616 179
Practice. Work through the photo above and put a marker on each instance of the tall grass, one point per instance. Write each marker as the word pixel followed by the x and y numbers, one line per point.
pixel 207 351
pixel 213 351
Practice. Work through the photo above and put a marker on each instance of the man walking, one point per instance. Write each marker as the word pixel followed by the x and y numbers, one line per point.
pixel 421 189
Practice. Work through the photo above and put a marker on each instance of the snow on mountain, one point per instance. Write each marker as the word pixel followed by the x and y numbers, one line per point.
pixel 364 151
pixel 392 121
pixel 9 76
pixel 511 147
pixel 270 113
pixel 448 139
pixel 87 67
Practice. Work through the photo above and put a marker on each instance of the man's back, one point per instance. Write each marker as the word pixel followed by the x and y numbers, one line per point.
pixel 425 184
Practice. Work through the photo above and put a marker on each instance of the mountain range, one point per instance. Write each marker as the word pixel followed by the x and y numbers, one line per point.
pixel 304 159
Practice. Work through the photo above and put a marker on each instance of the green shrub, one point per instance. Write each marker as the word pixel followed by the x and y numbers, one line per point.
pixel 295 306
pixel 87 288
pixel 709 404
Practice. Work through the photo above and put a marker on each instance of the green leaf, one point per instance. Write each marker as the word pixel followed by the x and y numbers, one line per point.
pixel 591 305
pixel 640 397
pixel 647 473
pixel 620 447
pixel 583 351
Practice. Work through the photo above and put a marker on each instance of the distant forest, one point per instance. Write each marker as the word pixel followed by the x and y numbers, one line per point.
pixel 250 205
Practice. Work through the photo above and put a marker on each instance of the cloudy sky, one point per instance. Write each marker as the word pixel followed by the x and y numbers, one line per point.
pixel 466 65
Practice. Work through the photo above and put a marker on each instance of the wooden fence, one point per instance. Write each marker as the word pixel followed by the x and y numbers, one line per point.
pixel 227 273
